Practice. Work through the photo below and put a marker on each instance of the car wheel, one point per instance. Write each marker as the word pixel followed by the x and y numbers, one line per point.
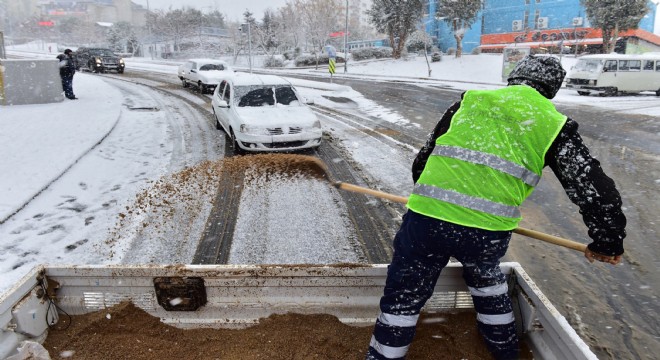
pixel 610 92
pixel 201 87
pixel 120 71
pixel 217 122
pixel 184 83
pixel 583 93
pixel 234 143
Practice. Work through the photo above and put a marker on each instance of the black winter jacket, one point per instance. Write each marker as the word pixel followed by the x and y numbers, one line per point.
pixel 584 181
pixel 67 65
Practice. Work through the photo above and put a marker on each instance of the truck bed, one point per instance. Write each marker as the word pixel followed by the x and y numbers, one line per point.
pixel 237 296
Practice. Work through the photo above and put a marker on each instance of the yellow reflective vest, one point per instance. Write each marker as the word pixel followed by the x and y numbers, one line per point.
pixel 490 159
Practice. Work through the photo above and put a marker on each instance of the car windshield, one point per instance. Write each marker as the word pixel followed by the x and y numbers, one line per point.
pixel 210 67
pixel 259 95
pixel 588 65
pixel 101 52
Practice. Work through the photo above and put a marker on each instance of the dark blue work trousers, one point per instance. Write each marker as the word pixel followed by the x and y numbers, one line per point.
pixel 422 248
pixel 67 86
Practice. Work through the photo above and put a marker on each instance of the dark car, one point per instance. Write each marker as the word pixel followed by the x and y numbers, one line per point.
pixel 99 60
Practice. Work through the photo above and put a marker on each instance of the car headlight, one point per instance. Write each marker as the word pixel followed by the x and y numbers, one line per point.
pixel 98 61
pixel 246 129
pixel 121 61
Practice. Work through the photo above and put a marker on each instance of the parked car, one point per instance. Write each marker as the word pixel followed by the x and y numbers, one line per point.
pixel 263 113
pixel 99 60
pixel 205 74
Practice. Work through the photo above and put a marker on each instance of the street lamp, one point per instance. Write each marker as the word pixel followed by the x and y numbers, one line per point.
pixel 249 43
pixel 153 50
pixel 346 41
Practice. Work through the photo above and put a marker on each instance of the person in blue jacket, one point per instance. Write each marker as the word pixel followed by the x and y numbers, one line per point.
pixel 67 69
pixel 481 161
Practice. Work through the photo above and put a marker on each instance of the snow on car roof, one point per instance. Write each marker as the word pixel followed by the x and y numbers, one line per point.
pixel 210 61
pixel 621 56
pixel 243 79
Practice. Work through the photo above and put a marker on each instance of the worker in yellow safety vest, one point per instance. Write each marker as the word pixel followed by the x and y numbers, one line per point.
pixel 481 162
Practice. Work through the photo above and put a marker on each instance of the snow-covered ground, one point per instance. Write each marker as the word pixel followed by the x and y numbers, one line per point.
pixel 41 145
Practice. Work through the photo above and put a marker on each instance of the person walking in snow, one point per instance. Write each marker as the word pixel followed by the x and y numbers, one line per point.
pixel 482 160
pixel 67 69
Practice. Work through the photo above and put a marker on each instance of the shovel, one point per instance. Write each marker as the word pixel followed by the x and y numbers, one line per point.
pixel 317 167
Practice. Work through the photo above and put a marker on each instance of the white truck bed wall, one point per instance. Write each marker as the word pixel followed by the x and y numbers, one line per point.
pixel 239 295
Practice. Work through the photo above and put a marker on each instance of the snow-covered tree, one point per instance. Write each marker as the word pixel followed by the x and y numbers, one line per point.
pixel 214 19
pixel 459 15
pixel 419 40
pixel 121 37
pixel 397 19
pixel 290 31
pixel 319 18
pixel 265 34
pixel 175 25
pixel 613 16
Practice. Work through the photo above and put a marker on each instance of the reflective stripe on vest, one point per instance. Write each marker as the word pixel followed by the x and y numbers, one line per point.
pixel 492 161
pixel 466 201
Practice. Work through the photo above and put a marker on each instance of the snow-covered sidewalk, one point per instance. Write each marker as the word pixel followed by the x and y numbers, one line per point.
pixel 38 143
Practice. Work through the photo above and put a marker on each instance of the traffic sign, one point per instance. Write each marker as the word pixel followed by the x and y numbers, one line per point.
pixel 331 65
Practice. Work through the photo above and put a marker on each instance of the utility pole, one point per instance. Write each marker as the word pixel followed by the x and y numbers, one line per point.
pixel 153 49
pixel 346 41
pixel 249 43
pixel 250 47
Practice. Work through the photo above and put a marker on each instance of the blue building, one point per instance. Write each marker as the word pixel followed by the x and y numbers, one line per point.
pixel 442 32
pixel 543 25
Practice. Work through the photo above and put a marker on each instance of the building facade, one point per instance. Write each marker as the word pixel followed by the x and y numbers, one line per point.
pixel 543 25
pixel 17 14
pixel 95 11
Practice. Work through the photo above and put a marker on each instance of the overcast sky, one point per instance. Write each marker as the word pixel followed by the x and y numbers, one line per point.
pixel 232 9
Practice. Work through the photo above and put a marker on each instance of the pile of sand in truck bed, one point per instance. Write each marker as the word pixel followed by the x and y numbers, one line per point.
pixel 127 332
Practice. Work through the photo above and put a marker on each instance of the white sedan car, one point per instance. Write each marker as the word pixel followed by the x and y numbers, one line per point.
pixel 205 74
pixel 264 113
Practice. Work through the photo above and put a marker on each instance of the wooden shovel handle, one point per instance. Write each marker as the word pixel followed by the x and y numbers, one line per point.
pixel 551 239
pixel 570 244
pixel 367 191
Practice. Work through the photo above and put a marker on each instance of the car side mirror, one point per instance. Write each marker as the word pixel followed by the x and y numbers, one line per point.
pixel 309 101
pixel 223 104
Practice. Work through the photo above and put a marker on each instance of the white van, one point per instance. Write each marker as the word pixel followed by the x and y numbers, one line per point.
pixel 611 74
